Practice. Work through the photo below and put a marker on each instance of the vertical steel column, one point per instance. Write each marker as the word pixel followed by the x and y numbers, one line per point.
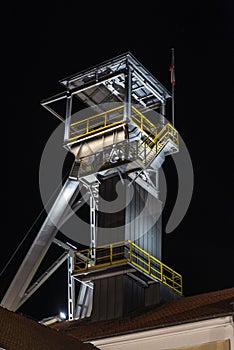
pixel 128 94
pixel 163 112
pixel 68 116
pixel 70 286
pixel 92 226
pixel 93 207
pixel 157 182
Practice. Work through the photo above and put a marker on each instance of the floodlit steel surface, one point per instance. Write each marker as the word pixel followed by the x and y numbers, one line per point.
pixel 115 65
pixel 110 138
pixel 84 300
pixel 29 292
pixel 82 129
pixel 70 287
pixel 120 79
pixel 96 123
pixel 41 244
pixel 131 253
pixel 132 155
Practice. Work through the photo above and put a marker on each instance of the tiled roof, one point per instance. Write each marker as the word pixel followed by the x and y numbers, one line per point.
pixel 186 309
pixel 20 333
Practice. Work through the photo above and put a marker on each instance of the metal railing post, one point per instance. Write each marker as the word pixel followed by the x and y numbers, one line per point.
pixel 130 251
pixel 145 154
pixel 111 253
pixel 74 262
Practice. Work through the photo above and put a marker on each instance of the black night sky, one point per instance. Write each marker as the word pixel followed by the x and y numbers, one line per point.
pixel 46 44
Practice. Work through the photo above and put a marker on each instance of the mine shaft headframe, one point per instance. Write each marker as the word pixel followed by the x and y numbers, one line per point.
pixel 122 79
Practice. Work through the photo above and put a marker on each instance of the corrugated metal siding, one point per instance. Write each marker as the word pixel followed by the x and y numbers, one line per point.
pixel 117 296
pixel 145 232
pixel 133 295
pixel 108 298
pixel 114 219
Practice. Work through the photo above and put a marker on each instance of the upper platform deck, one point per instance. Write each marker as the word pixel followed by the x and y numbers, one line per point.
pixel 120 79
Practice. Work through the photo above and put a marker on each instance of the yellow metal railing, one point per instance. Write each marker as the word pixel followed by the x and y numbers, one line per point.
pixel 131 253
pixel 96 123
pixel 155 268
pixel 109 119
pixel 167 133
pixel 143 123
pixel 105 255
pixel 149 148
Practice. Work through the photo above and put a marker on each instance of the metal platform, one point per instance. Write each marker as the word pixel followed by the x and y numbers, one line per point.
pixel 121 258
pixel 107 82
pixel 99 142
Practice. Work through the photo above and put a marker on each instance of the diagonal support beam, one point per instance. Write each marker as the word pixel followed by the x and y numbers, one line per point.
pixel 43 278
pixel 40 246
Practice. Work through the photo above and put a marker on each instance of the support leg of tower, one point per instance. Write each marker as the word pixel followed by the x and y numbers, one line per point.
pixel 40 246
pixel 71 287
pixel 93 212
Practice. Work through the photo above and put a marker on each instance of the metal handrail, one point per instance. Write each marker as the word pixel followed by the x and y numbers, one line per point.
pixel 90 129
pixel 142 151
pixel 142 122
pixel 105 120
pixel 167 133
pixel 132 254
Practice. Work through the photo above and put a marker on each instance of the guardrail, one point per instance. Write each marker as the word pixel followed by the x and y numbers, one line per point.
pixel 96 123
pixel 131 253
pixel 149 148
pixel 109 119
pixel 130 151
pixel 143 123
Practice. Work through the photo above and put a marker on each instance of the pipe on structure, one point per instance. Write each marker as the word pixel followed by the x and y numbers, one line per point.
pixel 41 244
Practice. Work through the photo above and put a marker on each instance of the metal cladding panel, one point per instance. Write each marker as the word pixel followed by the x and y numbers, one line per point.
pixel 108 298
pixel 116 296
pixel 166 294
pixel 111 220
pixel 152 295
pixel 139 219
pixel 143 221
pixel 133 295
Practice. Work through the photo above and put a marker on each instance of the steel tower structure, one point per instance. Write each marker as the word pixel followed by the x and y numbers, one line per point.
pixel 121 137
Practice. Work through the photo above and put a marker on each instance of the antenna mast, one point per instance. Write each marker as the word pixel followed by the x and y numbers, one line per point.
pixel 172 70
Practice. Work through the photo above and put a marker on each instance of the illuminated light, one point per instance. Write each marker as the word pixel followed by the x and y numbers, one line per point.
pixel 62 315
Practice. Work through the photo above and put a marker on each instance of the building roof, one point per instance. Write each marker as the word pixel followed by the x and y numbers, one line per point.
pixel 186 309
pixel 18 332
